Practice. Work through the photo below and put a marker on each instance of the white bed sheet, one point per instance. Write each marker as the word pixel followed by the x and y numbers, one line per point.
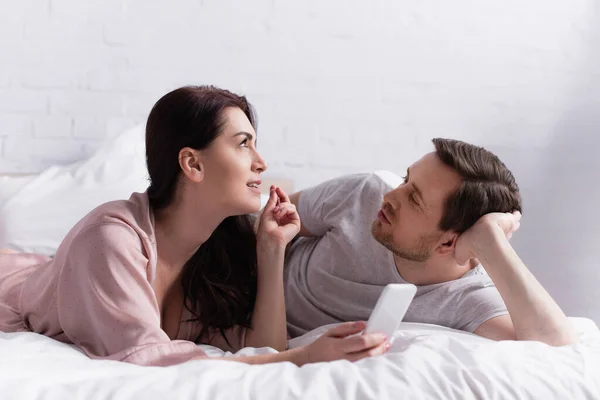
pixel 425 361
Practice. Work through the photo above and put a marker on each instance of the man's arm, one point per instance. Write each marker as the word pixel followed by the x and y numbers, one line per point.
pixel 497 328
pixel 534 315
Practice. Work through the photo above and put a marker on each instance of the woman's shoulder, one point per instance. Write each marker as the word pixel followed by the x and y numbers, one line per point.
pixel 136 207
pixel 120 220
pixel 134 211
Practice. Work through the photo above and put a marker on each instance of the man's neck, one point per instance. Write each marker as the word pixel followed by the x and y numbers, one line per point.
pixel 432 271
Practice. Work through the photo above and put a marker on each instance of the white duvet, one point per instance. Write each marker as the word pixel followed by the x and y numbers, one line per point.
pixel 425 362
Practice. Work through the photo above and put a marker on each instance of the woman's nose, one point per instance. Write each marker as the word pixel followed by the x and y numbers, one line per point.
pixel 260 165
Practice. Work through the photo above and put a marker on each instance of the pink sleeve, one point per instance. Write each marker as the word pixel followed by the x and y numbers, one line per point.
pixel 106 305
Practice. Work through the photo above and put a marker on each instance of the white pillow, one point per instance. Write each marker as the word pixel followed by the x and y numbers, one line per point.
pixel 389 177
pixel 38 216
pixel 41 213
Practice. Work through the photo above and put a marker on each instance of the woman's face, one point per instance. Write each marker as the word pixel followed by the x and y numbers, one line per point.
pixel 232 165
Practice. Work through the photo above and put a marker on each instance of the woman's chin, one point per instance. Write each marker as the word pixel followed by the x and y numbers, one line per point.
pixel 250 206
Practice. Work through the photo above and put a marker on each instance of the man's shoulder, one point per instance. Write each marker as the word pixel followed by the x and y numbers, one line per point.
pixel 351 198
pixel 370 182
pixel 376 184
pixel 470 282
pixel 360 197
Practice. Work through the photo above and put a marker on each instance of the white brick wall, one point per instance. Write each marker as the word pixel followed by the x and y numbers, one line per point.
pixel 339 86
pixel 363 79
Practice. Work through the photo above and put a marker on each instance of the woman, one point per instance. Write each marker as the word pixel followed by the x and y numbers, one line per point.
pixel 144 280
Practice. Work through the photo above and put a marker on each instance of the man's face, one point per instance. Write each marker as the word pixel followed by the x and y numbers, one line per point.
pixel 408 222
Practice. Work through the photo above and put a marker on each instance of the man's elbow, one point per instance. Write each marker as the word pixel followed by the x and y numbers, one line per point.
pixel 557 339
pixel 501 328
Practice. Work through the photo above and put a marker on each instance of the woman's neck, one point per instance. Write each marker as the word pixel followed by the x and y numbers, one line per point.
pixel 182 227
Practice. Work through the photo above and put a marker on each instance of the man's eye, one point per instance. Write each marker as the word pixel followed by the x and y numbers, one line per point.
pixel 405 179
pixel 413 200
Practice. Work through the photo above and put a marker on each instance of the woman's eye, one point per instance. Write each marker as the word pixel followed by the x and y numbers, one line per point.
pixel 244 143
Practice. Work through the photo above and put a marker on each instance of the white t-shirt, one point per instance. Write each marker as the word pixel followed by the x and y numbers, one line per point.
pixel 338 275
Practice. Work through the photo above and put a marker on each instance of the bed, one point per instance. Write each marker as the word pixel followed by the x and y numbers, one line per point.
pixel 425 361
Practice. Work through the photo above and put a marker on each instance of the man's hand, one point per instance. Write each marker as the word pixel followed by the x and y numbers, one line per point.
pixel 482 233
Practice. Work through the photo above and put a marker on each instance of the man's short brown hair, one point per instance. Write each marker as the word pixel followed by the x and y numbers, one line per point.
pixel 488 186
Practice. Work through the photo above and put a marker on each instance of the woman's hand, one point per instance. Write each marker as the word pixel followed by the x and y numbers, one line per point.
pixel 336 345
pixel 278 225
pixel 279 222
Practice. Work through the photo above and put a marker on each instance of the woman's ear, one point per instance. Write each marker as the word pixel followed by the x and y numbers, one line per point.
pixel 190 161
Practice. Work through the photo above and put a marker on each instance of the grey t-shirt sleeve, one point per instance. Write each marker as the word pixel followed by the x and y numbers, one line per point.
pixel 478 304
pixel 322 207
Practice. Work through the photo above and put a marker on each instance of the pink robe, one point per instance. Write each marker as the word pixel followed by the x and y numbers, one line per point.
pixel 98 291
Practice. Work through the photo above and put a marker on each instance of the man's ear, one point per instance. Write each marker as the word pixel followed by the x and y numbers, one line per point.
pixel 447 243
pixel 190 161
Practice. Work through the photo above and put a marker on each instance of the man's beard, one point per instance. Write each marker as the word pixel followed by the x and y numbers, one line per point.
pixel 419 253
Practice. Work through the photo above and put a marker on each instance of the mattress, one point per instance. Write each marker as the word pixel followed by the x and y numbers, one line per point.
pixel 424 362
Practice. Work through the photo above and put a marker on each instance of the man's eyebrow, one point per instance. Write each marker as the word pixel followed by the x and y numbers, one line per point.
pixel 419 193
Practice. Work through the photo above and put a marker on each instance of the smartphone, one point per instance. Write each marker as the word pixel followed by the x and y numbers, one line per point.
pixel 390 308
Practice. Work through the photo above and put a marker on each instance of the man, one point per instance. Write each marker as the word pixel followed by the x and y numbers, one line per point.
pixel 444 229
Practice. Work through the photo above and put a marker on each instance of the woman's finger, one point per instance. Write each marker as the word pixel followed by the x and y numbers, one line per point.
pixel 283 197
pixel 287 208
pixel 346 329
pixel 372 352
pixel 272 202
pixel 363 342
pixel 287 215
pixel 269 211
